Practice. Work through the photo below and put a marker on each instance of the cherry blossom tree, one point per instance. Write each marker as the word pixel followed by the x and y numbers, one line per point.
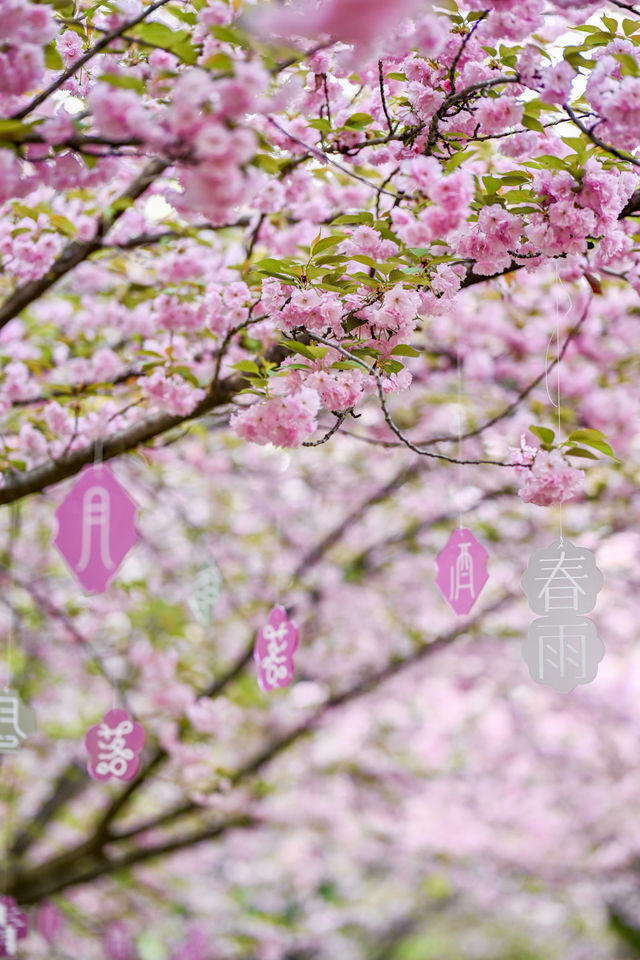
pixel 322 279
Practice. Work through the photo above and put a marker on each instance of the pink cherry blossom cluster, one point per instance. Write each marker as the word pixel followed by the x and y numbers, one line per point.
pixel 284 421
pixel 547 478
pixel 25 29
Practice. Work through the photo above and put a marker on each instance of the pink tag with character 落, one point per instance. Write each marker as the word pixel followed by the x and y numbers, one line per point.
pixel 275 645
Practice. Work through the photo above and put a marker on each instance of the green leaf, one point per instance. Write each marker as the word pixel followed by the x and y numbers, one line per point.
pixel 392 366
pixel 123 81
pixel 325 243
pixel 365 216
pixel 52 59
pixel 358 121
pixel 587 433
pixel 404 350
pixel 230 35
pixel 610 24
pixel 552 163
pixel 221 62
pixel 580 452
pixel 575 58
pixel 543 433
pixel 593 438
pixel 302 348
pixel 13 129
pixel 630 26
pixel 321 124
pixel 187 374
pixel 247 366
pixel 274 268
pixel 629 64
pixel 63 225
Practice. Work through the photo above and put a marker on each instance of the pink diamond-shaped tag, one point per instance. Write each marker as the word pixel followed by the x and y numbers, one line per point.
pixel 274 649
pixel 114 746
pixel 96 527
pixel 13 927
pixel 462 570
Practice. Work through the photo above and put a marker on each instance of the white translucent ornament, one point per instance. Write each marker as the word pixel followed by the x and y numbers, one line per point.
pixel 562 649
pixel 206 590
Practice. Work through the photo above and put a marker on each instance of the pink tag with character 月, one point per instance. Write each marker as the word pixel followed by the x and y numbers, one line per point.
pixel 462 570
pixel 96 527
pixel 275 645
pixel 114 746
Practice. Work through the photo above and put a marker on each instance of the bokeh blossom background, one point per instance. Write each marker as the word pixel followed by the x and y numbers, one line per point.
pixel 321 280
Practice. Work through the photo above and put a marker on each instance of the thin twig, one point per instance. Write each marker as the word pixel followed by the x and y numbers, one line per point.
pixel 385 410
pixel 383 98
pixel 88 55
pixel 588 131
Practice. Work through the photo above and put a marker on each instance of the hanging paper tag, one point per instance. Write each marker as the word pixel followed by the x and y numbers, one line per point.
pixel 96 527
pixel 206 590
pixel 275 645
pixel 562 648
pixel 462 570
pixel 13 927
pixel 17 721
pixel 114 746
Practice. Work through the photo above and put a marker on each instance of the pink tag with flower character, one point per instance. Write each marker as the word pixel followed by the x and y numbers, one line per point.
pixel 275 645
pixel 114 746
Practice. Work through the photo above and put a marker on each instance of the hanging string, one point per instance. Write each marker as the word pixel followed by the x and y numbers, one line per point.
pixel 98 451
pixel 557 403
pixel 14 529
pixel 460 425
pixel 277 552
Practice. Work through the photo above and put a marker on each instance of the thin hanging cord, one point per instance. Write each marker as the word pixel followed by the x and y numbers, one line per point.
pixel 277 550
pixel 14 527
pixel 558 402
pixel 459 453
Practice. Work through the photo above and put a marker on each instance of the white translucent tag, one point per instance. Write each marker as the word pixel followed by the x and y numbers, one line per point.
pixel 562 648
pixel 206 590
pixel 17 721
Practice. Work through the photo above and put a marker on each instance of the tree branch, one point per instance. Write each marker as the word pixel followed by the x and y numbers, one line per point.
pixel 88 861
pixel 88 55
pixel 77 251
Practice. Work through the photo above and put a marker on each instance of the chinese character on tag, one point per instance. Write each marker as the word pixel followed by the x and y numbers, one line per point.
pixel 206 590
pixel 562 577
pixel 275 645
pixel 562 648
pixel 114 746
pixel 462 570
pixel 13 927
pixel 96 527
pixel 17 721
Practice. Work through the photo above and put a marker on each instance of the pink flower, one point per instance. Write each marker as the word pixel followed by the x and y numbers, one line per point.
pixel 283 421
pixel 32 444
pixel 497 114
pixel 118 943
pixel 556 83
pixel 57 129
pixel 69 46
pixel 550 480
pixel 172 393
pixel 353 21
